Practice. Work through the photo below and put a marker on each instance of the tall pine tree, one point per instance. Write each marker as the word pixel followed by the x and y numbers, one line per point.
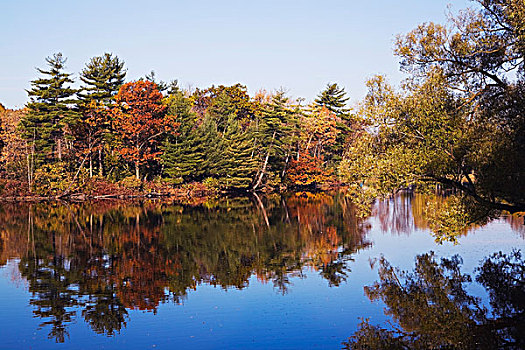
pixel 50 110
pixel 101 78
pixel 334 99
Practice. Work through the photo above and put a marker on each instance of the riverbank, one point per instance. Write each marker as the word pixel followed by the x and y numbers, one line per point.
pixel 14 191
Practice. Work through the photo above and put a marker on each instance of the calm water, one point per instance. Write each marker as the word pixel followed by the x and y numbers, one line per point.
pixel 270 273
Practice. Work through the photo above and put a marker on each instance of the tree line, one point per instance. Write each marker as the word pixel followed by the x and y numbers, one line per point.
pixel 153 131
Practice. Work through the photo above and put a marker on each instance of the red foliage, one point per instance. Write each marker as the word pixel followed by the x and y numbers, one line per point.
pixel 140 120
pixel 308 170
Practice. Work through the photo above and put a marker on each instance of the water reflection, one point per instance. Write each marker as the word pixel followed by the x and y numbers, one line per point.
pixel 447 217
pixel 432 309
pixel 97 261
pixel 105 258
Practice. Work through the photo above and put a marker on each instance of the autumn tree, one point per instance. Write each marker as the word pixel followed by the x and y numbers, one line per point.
pixel 13 148
pixel 317 133
pixel 140 121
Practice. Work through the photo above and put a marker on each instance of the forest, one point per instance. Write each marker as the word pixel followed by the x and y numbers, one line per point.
pixel 457 122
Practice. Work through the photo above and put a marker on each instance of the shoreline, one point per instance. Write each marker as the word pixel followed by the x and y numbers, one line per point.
pixel 177 194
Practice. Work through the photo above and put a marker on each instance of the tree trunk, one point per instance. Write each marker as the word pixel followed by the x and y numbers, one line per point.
pixel 137 173
pixel 31 164
pixel 90 166
pixel 100 165
pixel 265 163
pixel 285 165
pixel 29 173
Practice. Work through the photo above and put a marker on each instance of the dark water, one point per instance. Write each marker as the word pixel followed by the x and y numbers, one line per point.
pixel 271 273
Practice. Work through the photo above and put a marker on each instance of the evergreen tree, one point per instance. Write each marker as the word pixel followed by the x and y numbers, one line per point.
pixel 50 110
pixel 236 164
pixel 334 98
pixel 102 76
pixel 161 85
pixel 184 153
pixel 221 102
pixel 209 139
pixel 275 136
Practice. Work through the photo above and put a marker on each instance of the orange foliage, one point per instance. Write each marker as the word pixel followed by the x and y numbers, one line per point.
pixel 140 120
pixel 309 170
pixel 318 130
pixel 13 148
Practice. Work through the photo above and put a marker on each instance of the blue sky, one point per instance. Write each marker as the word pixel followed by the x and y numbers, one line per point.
pixel 296 44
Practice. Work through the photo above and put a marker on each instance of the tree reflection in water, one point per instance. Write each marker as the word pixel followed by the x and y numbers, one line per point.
pixel 447 217
pixel 432 309
pixel 105 258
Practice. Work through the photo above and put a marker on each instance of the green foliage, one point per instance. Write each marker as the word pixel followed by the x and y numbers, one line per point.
pixel 102 76
pixel 184 153
pixel 50 109
pixel 459 119
pixel 221 102
pixel 130 182
pixel 334 98
pixel 235 164
pixel 275 133
pixel 454 216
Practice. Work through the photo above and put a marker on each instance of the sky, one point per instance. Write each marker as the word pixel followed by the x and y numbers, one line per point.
pixel 299 45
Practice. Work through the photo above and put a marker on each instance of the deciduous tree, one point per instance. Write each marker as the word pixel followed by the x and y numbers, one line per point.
pixel 140 121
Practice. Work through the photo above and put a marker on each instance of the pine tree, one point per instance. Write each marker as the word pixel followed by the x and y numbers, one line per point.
pixel 334 98
pixel 183 157
pixel 236 165
pixel 184 153
pixel 275 136
pixel 102 77
pixel 50 110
